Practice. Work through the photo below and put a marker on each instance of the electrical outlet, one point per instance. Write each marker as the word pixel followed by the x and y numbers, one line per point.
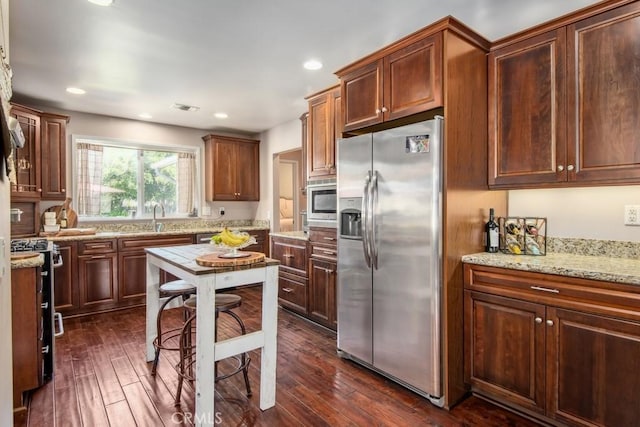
pixel 221 211
pixel 632 215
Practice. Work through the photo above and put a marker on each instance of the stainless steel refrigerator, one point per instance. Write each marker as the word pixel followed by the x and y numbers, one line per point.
pixel 390 253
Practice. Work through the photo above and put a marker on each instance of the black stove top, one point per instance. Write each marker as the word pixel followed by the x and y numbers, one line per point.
pixel 25 245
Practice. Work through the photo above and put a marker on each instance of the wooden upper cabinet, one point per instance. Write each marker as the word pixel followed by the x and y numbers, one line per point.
pixel 40 165
pixel 324 127
pixel 28 182
pixel 232 168
pixel 53 153
pixel 406 81
pixel 564 105
pixel 527 137
pixel 604 96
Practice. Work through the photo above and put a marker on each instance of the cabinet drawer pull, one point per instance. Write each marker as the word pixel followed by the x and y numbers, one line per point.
pixel 550 322
pixel 329 238
pixel 97 246
pixel 329 252
pixel 287 290
pixel 540 288
pixel 538 320
pixel 287 256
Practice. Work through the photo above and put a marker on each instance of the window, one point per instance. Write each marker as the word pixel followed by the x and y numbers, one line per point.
pixel 126 180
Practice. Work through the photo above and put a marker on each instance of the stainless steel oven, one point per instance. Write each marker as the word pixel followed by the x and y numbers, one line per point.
pixel 322 203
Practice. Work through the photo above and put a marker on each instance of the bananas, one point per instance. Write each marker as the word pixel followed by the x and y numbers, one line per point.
pixel 229 238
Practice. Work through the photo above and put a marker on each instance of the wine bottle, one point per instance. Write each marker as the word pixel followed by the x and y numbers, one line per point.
pixel 63 218
pixel 492 235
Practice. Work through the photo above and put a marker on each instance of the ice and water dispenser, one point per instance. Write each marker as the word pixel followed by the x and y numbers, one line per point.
pixel 350 217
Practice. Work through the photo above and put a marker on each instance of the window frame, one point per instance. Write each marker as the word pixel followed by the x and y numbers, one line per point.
pixel 135 145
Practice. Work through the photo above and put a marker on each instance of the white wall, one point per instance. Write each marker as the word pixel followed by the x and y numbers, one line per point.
pixel 286 136
pixel 590 213
pixel 85 124
pixel 6 367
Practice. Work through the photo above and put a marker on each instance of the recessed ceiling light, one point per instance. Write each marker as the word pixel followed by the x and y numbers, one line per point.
pixel 312 64
pixel 221 115
pixel 184 107
pixel 102 2
pixel 145 116
pixel 76 90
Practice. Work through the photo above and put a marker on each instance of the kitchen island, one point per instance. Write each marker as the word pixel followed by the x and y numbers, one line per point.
pixel 181 262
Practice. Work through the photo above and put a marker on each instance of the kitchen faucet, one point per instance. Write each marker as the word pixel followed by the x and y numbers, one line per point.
pixel 157 226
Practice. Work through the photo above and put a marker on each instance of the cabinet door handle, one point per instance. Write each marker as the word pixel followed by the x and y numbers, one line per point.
pixel 44 305
pixel 45 349
pixel 378 111
pixel 384 109
pixel 570 167
pixel 287 290
pixel 63 190
pixel 540 288
pixel 538 320
pixel 44 273
pixel 560 168
pixel 549 322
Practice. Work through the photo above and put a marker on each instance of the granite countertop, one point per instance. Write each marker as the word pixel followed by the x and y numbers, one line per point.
pixel 300 235
pixel 35 261
pixel 606 268
pixel 149 233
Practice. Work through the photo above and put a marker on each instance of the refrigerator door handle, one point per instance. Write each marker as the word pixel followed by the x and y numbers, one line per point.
pixel 372 225
pixel 365 221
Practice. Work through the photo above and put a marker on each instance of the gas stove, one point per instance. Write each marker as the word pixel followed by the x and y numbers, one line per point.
pixel 26 245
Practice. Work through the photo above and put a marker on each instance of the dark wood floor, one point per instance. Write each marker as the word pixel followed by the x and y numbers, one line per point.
pixel 101 378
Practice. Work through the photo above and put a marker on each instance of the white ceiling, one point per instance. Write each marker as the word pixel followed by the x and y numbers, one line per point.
pixel 243 57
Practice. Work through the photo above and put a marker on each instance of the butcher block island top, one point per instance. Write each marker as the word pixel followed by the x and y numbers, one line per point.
pixel 205 259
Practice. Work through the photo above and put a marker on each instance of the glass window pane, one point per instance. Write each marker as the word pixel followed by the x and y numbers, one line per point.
pixel 119 189
pixel 160 181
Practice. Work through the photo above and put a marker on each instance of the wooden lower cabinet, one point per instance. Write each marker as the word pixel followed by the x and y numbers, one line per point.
pixel 293 275
pixel 66 295
pixel 566 354
pixel 26 325
pixel 132 263
pixel 98 281
pixel 322 292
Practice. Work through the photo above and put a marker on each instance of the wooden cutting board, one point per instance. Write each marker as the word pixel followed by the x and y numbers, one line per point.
pixel 214 259
pixel 70 232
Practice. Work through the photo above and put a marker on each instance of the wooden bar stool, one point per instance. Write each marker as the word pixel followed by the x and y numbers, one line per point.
pixel 225 303
pixel 169 339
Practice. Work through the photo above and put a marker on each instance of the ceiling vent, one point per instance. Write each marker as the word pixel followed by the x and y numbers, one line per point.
pixel 184 107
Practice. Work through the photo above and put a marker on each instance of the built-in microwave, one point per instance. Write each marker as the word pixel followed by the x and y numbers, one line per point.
pixel 322 203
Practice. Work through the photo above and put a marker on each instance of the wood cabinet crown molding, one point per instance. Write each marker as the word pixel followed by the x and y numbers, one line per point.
pixel 448 23
pixel 559 22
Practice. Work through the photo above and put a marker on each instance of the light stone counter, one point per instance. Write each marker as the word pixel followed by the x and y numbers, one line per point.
pixel 36 261
pixel 610 269
pixel 300 235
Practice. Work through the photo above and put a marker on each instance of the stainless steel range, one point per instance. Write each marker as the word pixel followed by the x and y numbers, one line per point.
pixel 52 259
